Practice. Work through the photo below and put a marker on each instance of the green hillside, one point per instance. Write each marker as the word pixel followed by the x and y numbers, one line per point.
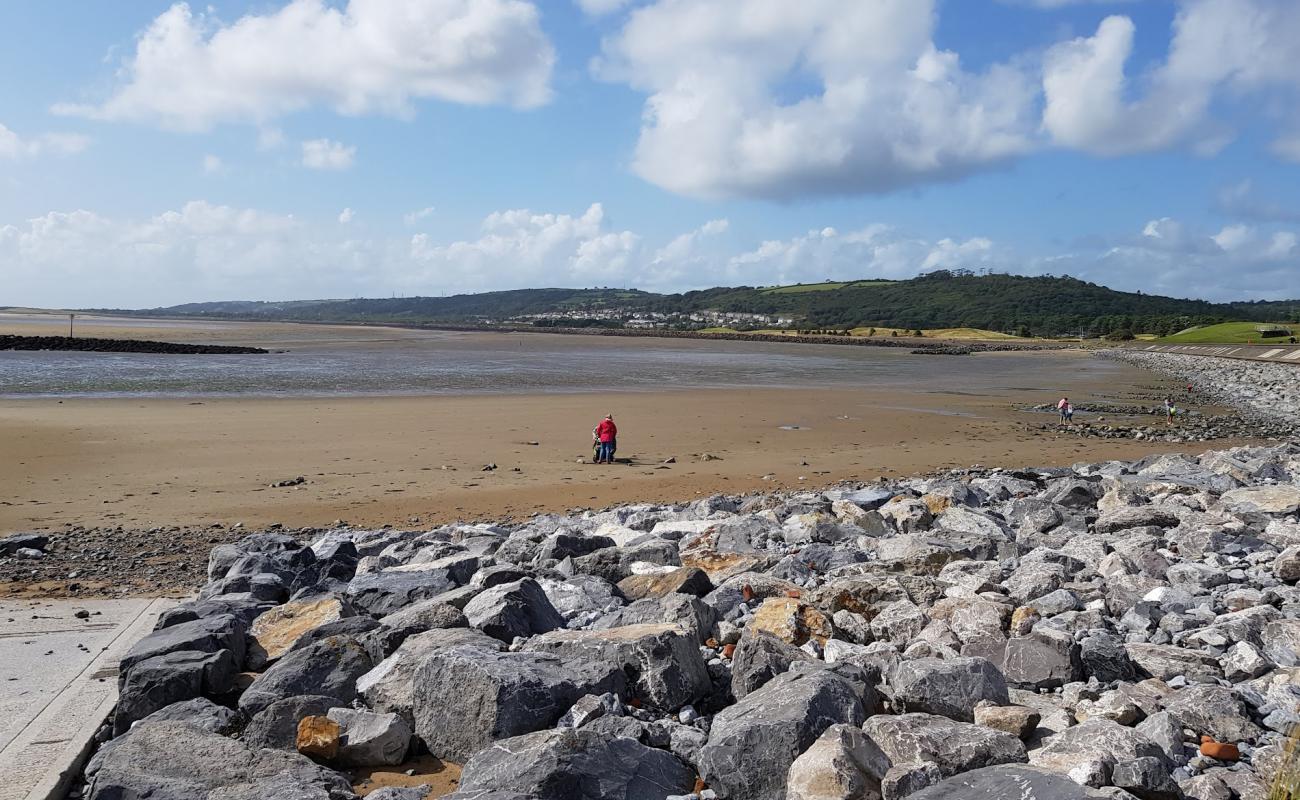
pixel 1230 333
pixel 1008 304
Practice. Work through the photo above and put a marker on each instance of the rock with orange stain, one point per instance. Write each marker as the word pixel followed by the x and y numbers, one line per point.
pixel 792 621
pixel 318 737
pixel 1223 751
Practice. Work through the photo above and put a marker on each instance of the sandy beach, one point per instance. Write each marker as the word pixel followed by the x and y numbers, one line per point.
pixel 147 462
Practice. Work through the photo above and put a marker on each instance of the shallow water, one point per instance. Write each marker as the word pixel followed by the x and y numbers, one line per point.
pixel 443 363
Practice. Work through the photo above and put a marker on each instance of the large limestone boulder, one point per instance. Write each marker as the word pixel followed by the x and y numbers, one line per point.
pixel 753 743
pixel 1094 742
pixel 683 580
pixel 1266 500
pixel 382 593
pixel 843 763
pixel 792 621
pixel 275 632
pixel 513 609
pixel 572 764
pixel 330 667
pixel 1167 661
pixel 758 658
pixel 665 660
pixel 367 739
pixel 954 746
pixel 173 761
pixel 157 682
pixel 390 686
pixel 465 698
pixel 203 635
pixel 1214 710
pixel 1009 781
pixel 950 688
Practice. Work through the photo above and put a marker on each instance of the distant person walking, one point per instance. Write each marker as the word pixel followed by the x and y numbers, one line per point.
pixel 1169 410
pixel 606 435
pixel 1061 406
pixel 1068 413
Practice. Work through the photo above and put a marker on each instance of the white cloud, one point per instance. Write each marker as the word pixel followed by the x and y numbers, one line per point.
pixel 417 215
pixel 212 165
pixel 327 154
pixel 13 146
pixel 1219 49
pixel 190 71
pixel 208 252
pixel 269 138
pixel 773 99
pixel 345 216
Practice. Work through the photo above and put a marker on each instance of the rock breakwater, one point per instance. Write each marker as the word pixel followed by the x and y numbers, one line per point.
pixel 94 345
pixel 1084 632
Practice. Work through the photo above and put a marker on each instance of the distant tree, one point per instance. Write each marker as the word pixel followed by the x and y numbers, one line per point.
pixel 1023 332
pixel 1121 335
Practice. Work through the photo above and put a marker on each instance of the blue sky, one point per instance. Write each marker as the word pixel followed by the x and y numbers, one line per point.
pixel 157 153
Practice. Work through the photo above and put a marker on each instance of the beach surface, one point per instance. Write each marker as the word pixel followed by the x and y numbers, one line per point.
pixel 399 460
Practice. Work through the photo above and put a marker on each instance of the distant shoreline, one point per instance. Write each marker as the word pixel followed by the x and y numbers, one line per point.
pixel 916 344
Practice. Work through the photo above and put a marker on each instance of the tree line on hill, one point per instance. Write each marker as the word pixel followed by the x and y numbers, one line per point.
pixel 1025 305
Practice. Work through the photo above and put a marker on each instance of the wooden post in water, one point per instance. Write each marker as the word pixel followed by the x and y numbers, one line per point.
pixel 71 317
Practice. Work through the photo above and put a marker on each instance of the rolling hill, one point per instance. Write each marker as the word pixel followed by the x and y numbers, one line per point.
pixel 1015 304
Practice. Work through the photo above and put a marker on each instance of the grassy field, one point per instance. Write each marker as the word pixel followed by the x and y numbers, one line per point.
pixel 800 288
pixel 1227 333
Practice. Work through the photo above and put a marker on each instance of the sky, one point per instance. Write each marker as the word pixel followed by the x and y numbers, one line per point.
pixel 156 153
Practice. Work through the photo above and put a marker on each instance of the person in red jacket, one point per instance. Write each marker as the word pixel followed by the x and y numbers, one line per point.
pixel 606 433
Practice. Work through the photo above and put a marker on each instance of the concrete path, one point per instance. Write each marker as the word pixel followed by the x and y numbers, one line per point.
pixel 1279 354
pixel 58 682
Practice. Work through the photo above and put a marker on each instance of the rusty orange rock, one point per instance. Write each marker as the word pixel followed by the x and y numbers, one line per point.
pixel 1220 750
pixel 728 650
pixel 318 737
pixel 747 593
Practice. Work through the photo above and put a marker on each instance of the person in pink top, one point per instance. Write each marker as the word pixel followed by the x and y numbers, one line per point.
pixel 606 433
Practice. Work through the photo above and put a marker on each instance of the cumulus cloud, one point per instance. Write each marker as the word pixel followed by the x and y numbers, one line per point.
pixel 326 154
pixel 414 217
pixel 345 216
pixel 1219 48
pixel 772 99
pixel 13 146
pixel 190 71
pixel 205 251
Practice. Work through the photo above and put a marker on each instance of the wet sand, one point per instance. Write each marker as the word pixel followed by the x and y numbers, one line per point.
pixel 398 460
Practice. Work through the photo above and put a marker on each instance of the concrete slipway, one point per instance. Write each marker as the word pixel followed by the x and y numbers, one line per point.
pixel 58 682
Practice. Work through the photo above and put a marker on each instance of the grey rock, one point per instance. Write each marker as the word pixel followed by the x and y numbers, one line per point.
pixel 330 667
pixel 1095 741
pixel 10 545
pixel 465 698
pixel 367 739
pixel 949 688
pixel 382 593
pixel 1166 661
pixel 1008 781
pixel 1165 730
pixel 172 761
pixel 1147 778
pixel 758 658
pixel 904 780
pixel 1045 659
pixel 572 765
pixel 513 609
pixel 276 726
pixel 390 685
pixel 1214 710
pixel 1104 657
pixel 155 683
pixel 1281 642
pixel 199 713
pixel 955 747
pixel 204 635
pixel 665 660
pixel 753 743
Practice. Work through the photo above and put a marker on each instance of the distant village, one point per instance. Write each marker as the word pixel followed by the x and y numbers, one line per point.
pixel 629 318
